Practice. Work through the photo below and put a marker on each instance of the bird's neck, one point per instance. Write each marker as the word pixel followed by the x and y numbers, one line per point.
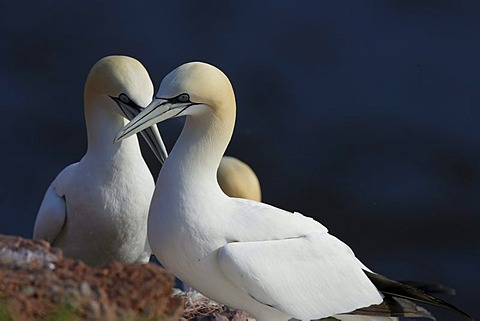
pixel 103 124
pixel 198 151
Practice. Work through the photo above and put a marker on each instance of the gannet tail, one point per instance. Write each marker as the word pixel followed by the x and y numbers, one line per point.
pixel 399 290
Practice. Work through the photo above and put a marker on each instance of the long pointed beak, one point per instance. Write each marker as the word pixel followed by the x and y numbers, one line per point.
pixel 158 110
pixel 155 142
pixel 151 134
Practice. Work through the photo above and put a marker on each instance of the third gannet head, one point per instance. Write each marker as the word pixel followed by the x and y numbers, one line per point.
pixel 237 179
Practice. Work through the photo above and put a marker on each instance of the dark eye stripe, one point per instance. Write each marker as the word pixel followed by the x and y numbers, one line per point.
pixel 179 99
pixel 124 99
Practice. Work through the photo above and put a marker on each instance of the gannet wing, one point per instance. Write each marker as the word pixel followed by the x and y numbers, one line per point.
pixel 53 210
pixel 359 318
pixel 307 277
pixel 394 307
pixel 253 217
pixel 430 287
pixel 50 217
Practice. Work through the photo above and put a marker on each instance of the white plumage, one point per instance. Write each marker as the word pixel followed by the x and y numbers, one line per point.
pixel 96 210
pixel 245 254
pixel 319 272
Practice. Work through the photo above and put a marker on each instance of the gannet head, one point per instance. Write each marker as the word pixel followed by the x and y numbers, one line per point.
pixel 237 179
pixel 117 75
pixel 193 89
pixel 126 81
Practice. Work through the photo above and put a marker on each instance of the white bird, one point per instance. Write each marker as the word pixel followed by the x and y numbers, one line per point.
pixel 248 255
pixel 96 210
pixel 237 179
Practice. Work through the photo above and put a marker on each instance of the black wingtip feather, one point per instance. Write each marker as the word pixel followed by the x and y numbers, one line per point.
pixel 395 307
pixel 397 289
pixel 429 287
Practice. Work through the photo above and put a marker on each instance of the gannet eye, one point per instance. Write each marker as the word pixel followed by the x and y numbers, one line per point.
pixel 183 98
pixel 124 98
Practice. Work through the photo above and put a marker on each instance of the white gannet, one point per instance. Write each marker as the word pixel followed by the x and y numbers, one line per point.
pixel 96 210
pixel 237 179
pixel 248 255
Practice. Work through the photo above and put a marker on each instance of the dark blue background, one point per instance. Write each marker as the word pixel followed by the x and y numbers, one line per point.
pixel 362 114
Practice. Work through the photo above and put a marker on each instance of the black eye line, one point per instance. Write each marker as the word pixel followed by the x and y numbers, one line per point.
pixel 183 109
pixel 130 103
pixel 175 100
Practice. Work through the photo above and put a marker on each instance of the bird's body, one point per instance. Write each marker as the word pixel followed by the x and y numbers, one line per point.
pixel 106 209
pixel 207 255
pixel 249 255
pixel 96 210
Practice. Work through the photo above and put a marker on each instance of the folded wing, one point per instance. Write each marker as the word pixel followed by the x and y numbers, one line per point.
pixel 52 213
pixel 307 277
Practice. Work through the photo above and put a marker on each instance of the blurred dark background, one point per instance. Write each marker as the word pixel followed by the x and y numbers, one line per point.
pixel 362 114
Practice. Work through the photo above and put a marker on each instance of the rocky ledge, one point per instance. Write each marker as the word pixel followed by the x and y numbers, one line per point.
pixel 38 283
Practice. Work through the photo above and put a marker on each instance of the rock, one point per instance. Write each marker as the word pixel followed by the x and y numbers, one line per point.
pixel 37 283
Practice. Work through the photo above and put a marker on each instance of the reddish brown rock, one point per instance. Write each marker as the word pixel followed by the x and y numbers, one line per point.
pixel 37 283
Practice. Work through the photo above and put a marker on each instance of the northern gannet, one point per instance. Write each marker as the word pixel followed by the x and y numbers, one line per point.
pixel 274 264
pixel 237 179
pixel 96 210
